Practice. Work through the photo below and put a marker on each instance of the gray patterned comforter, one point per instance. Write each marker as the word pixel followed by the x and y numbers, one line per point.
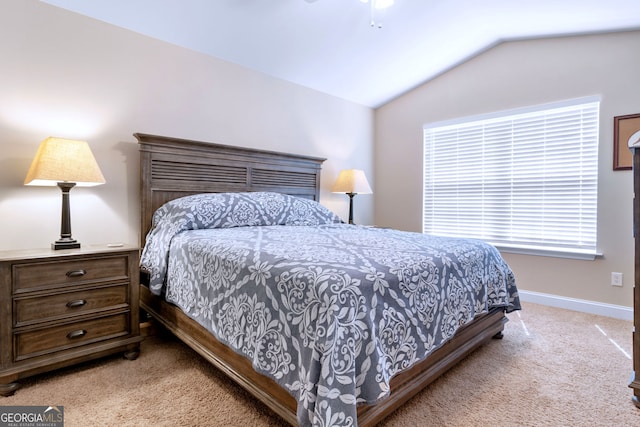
pixel 330 311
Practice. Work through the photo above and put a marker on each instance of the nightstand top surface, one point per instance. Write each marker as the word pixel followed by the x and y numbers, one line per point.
pixel 21 254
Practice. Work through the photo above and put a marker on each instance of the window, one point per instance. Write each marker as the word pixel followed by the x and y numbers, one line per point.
pixel 524 180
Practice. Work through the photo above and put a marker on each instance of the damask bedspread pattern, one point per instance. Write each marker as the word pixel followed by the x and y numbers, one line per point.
pixel 333 311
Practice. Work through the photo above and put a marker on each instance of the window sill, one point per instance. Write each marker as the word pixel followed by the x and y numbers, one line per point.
pixel 585 256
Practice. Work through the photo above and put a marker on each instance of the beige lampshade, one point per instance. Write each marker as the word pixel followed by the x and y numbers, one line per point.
pixel 352 181
pixel 64 160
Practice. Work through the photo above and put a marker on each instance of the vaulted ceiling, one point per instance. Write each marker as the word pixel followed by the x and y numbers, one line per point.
pixel 330 46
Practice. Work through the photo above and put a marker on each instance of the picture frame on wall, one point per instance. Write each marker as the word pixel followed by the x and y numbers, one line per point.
pixel 626 132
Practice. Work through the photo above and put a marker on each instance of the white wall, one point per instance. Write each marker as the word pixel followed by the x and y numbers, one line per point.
pixel 62 74
pixel 517 74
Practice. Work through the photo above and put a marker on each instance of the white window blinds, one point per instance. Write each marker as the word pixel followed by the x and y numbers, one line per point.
pixel 523 180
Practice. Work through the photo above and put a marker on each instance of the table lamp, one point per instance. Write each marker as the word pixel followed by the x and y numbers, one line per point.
pixel 351 182
pixel 65 163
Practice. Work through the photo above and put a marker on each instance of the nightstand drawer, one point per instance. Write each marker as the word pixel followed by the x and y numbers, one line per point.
pixel 41 308
pixel 45 274
pixel 43 341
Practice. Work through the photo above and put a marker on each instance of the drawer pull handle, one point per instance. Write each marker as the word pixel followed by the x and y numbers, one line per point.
pixel 76 334
pixel 76 273
pixel 76 303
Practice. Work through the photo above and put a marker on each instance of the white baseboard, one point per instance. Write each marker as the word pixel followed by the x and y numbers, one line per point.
pixel 585 306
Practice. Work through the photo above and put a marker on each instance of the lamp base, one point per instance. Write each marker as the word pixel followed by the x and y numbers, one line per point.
pixel 65 241
pixel 351 207
pixel 65 244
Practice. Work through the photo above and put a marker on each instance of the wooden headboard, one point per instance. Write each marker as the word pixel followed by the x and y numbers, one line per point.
pixel 171 168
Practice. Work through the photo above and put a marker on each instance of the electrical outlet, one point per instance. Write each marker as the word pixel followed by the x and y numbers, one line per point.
pixel 616 279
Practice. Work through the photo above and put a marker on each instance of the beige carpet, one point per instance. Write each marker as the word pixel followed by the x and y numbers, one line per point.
pixel 553 368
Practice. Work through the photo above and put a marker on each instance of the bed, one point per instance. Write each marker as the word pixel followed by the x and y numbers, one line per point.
pixel 239 258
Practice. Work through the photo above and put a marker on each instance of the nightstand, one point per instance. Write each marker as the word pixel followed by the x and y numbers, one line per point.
pixel 59 308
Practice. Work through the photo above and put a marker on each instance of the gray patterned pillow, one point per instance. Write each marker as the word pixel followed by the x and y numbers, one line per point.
pixel 222 210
